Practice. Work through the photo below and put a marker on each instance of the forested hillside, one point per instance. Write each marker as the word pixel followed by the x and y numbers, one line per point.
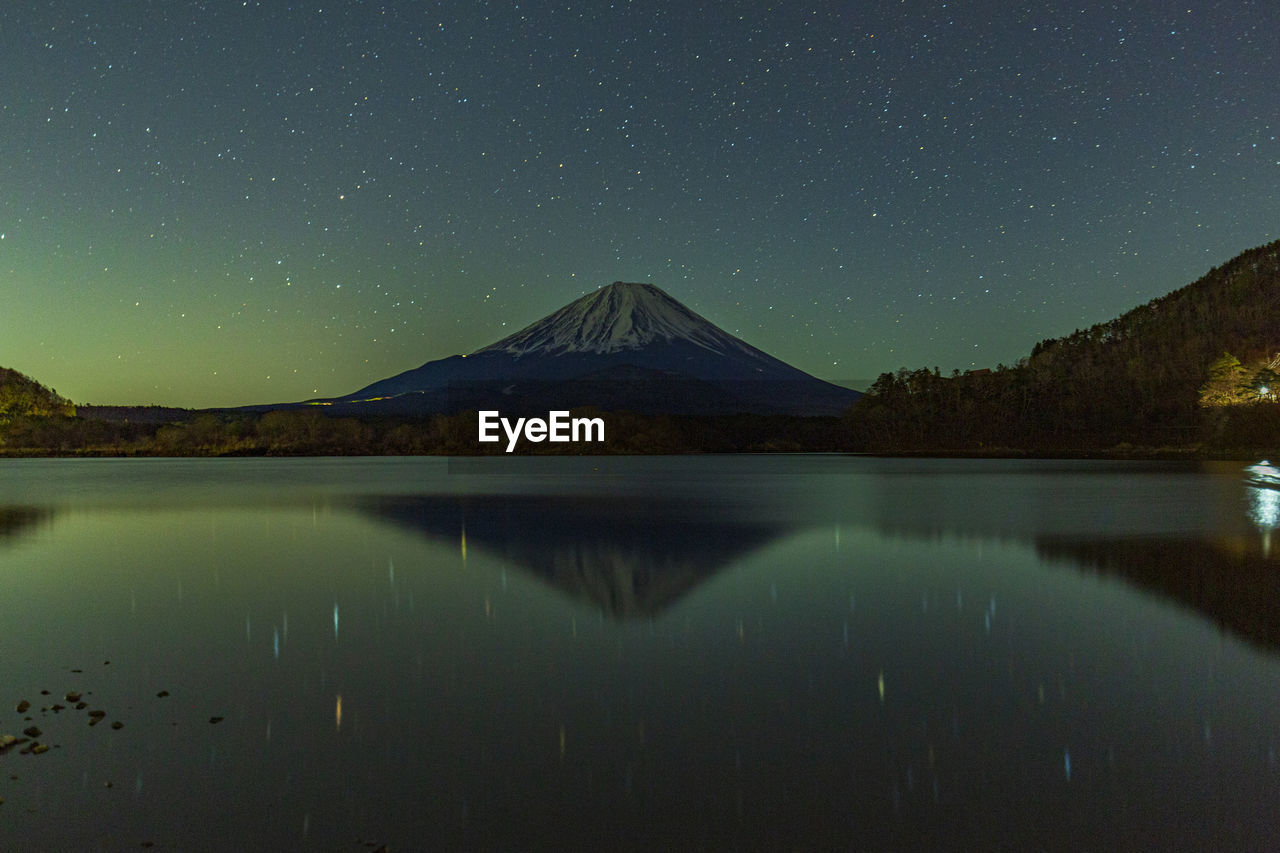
pixel 22 396
pixel 1195 370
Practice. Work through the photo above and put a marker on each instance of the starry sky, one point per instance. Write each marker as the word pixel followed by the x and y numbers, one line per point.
pixel 225 203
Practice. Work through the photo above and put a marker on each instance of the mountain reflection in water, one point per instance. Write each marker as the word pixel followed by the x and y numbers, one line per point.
pixel 633 557
pixel 1235 583
pixel 16 521
pixel 636 557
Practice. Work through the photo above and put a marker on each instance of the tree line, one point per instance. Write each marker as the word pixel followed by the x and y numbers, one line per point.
pixel 295 432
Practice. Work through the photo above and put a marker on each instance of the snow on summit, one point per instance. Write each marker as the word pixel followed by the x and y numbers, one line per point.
pixel 622 316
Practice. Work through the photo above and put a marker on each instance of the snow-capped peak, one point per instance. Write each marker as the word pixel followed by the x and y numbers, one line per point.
pixel 622 316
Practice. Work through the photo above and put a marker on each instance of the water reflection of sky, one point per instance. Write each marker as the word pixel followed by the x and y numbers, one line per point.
pixel 849 656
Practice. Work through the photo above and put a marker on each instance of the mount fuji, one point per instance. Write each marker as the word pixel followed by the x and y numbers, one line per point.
pixel 626 346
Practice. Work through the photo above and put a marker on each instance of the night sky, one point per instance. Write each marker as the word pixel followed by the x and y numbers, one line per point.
pixel 226 203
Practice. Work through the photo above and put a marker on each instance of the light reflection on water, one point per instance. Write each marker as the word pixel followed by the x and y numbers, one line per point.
pixel 1264 499
pixel 753 653
pixel 1265 507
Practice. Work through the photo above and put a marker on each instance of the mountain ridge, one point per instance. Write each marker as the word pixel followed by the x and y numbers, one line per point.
pixel 624 325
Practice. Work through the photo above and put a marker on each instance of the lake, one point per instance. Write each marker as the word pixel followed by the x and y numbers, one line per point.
pixel 716 653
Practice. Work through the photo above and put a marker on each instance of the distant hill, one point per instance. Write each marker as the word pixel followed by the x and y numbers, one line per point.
pixel 626 346
pixel 20 396
pixel 1195 367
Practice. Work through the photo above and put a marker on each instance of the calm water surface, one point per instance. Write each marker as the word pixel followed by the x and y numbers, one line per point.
pixel 720 653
